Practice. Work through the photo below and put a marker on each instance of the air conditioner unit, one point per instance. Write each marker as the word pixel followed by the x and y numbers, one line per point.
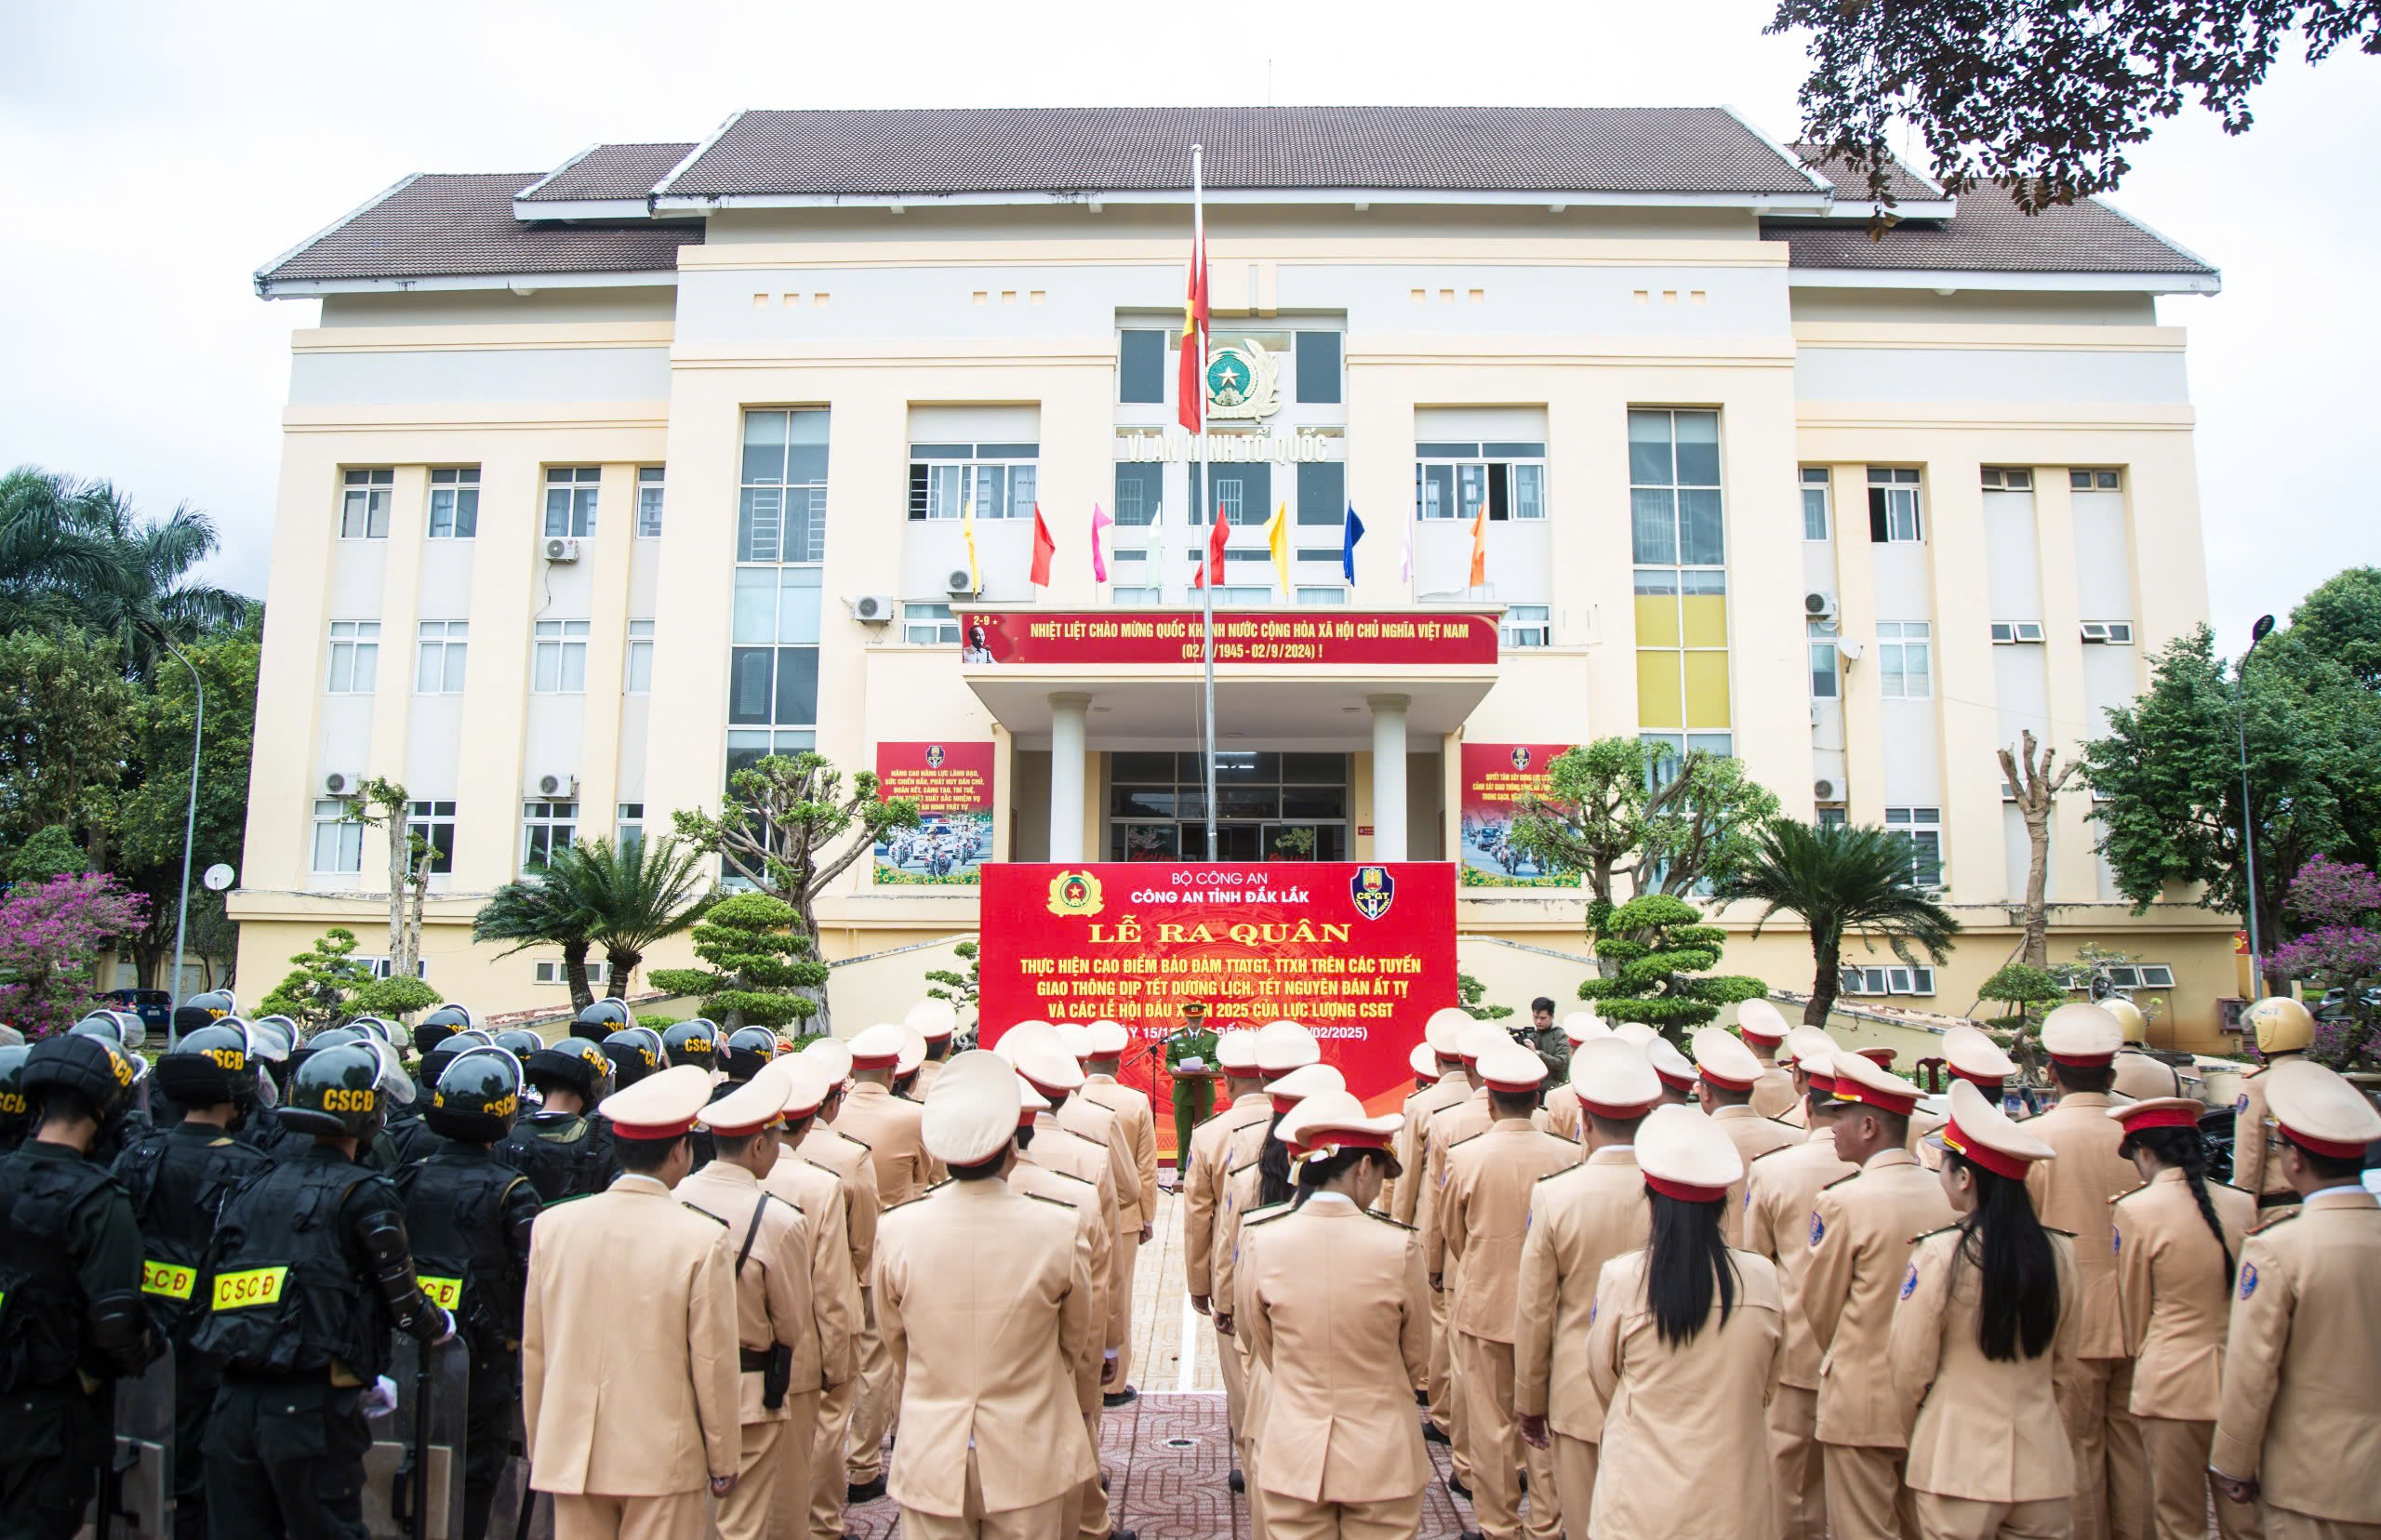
pixel 343 783
pixel 1819 606
pixel 872 610
pixel 561 550
pixel 1823 791
pixel 959 583
pixel 557 788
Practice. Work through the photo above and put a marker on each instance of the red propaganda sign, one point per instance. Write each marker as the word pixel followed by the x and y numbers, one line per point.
pixel 952 783
pixel 1361 954
pixel 1242 636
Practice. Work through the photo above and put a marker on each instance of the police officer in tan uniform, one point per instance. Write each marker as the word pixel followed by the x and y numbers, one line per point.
pixel 1861 1232
pixel 1764 1030
pixel 1579 1218
pixel 1674 1069
pixel 2300 1424
pixel 934 1019
pixel 1726 1075
pixel 1808 1048
pixel 1444 1129
pixel 1562 1110
pixel 1105 1043
pixel 888 1125
pixel 2282 1030
pixel 1204 1167
pixel 1449 1084
pixel 852 1164
pixel 1971 1056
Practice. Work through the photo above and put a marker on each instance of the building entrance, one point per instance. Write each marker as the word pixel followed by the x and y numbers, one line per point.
pixel 1268 807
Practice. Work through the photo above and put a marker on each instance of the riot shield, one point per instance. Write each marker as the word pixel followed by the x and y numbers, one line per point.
pixel 136 1493
pixel 413 1477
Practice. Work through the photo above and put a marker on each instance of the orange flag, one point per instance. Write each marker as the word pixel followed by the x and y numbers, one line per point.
pixel 1480 548
pixel 1043 549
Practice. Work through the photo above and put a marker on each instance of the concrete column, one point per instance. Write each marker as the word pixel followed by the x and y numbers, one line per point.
pixel 1388 776
pixel 1066 776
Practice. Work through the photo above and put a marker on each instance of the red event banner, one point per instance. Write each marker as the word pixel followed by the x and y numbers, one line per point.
pixel 1313 636
pixel 1495 775
pixel 952 783
pixel 1361 954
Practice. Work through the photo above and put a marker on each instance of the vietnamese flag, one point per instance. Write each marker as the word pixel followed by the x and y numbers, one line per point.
pixel 1043 549
pixel 1189 384
pixel 1218 538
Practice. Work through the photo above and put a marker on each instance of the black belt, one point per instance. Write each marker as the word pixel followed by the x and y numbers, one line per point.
pixel 2279 1200
pixel 755 1361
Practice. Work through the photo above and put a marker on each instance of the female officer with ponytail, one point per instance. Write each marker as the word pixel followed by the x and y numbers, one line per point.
pixel 2178 1249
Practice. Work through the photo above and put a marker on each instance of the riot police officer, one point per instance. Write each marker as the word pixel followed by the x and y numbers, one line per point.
pixel 695 1042
pixel 311 1271
pixel 377 1150
pixel 69 1275
pixel 178 1179
pixel 563 1148
pixel 435 1028
pixel 414 1139
pixel 469 1214
pixel 125 1031
pixel 601 1020
pixel 742 1056
pixel 203 1010
pixel 14 1109
pixel 634 1053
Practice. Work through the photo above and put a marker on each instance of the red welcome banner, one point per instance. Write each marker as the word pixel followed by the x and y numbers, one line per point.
pixel 1318 637
pixel 1361 954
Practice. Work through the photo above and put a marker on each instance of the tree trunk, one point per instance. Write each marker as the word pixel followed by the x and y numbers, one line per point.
pixel 400 872
pixel 574 973
pixel 1829 953
pixel 417 880
pixel 2037 954
pixel 2035 781
pixel 624 963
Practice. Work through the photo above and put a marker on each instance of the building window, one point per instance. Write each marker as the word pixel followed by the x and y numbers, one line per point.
pixel 339 838
pixel 1905 665
pixel 1146 596
pixel 1141 367
pixel 546 827
pixel 454 503
pixel 1923 828
pixel 925 625
pixel 628 828
pixel 1137 488
pixel 364 504
pixel 2080 481
pixel 636 677
pixel 356 657
pixel 570 500
pixel 1678 538
pixel 1456 480
pixel 1527 626
pixel 552 972
pixel 1824 662
pixel 1332 594
pixel 2009 634
pixel 1893 506
pixel 438 656
pixel 433 824
pixel 1833 816
pixel 2132 975
pixel 2108 631
pixel 1244 491
pixel 2001 478
pixel 773 661
pixel 648 502
pixel 996 479
pixel 1318 368
pixel 781 508
pixel 1893 980
pixel 559 664
pixel 1323 496
pixel 1815 488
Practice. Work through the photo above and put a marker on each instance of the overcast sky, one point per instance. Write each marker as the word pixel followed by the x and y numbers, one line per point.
pixel 156 156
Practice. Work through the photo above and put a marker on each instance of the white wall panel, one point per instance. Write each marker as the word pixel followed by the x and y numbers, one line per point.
pixel 434 741
pixel 2012 566
pixel 1913 754
pixel 1986 375
pixel 2103 558
pixel 479 375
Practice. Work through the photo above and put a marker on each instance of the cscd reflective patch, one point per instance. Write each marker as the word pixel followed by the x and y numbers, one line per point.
pixel 447 1292
pixel 168 1281
pixel 237 1291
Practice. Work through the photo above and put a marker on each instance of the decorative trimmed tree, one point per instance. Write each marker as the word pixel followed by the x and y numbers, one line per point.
pixel 1471 990
pixel 779 821
pixel 325 978
pixel 1658 957
pixel 759 958
pixel 959 989
pixel 2026 993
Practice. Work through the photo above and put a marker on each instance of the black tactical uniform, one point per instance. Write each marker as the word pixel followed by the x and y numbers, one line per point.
pixel 565 1153
pixel 71 1316
pixel 312 1270
pixel 469 1215
pixel 178 1180
pixel 14 1108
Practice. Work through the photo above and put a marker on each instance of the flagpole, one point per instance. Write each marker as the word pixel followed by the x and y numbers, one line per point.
pixel 1206 492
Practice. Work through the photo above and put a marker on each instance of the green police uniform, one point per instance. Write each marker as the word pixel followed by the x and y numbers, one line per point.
pixel 1193 1099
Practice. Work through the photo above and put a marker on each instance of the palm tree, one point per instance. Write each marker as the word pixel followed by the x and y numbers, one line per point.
pixel 1838 878
pixel 530 911
pixel 632 896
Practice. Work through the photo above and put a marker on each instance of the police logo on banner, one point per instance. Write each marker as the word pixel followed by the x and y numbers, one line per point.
pixel 1372 889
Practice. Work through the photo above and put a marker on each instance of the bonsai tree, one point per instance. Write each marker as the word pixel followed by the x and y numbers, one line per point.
pixel 1839 878
pixel 321 983
pixel 764 971
pixel 778 828
pixel 1658 957
pixel 2027 994
pixel 959 989
pixel 1471 990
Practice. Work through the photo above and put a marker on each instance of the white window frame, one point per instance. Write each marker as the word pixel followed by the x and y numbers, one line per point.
pixel 1888 979
pixel 442 651
pixel 2108 633
pixel 636 668
pixel 355 664
pixel 921 626
pixel 425 817
pixel 456 491
pixel 1527 626
pixel 346 844
pixel 1471 473
pixel 1818 514
pixel 545 818
pixel 1825 661
pixel 1901 641
pixel 974 471
pixel 2099 478
pixel 1905 504
pixel 382 966
pixel 2007 478
pixel 651 484
pixel 598 972
pixel 2130 975
pixel 1133 597
pixel 572 493
pixel 558 657
pixel 365 496
pixel 2009 634
pixel 628 825
pixel 1912 822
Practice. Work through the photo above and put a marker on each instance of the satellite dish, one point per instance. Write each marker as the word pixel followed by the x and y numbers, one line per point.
pixel 218 877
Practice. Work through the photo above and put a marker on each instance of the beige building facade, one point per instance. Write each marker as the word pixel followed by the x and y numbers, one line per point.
pixel 600 483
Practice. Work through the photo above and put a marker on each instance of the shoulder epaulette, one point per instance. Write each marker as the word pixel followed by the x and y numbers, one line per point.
pixel 1394 1224
pixel 1841 1181
pixel 1940 1229
pixel 1259 1217
pixel 862 1143
pixel 2260 1227
pixel 821 1165
pixel 909 1203
pixel 937 1187
pixel 2054 1230
pixel 1071 1177
pixel 1566 1171
pixel 706 1214
pixel 552 1203
pixel 1041 1198
pixel 1767 1153
pixel 2120 1197
pixel 1245 1166
pixel 1458 1144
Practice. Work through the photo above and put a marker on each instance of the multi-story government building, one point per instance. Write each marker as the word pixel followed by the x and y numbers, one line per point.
pixel 602 481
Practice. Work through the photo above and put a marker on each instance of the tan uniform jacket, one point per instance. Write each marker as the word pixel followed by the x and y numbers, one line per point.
pixel 1779 1188
pixel 2072 1193
pixel 2175 1292
pixel 1242 1187
pixel 985 1304
pixel 1563 1119
pixel 1579 1218
pixel 1202 1184
pixel 1754 1137
pixel 924 1082
pixel 1335 1307
pixel 1055 1148
pixel 1981 1429
pixel 1132 1111
pixel 847 1160
pixel 2256 1141
pixel 1685 1434
pixel 773 1284
pixel 835 1288
pixel 1405 1198
pixel 666 1420
pixel 1773 1095
pixel 1088 1120
pixel 1093 1234
pixel 1861 1232
pixel 2302 1358
pixel 1485 1214
pixel 888 1125
pixel 1448 1126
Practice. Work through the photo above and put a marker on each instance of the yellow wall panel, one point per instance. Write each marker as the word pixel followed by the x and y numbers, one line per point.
pixel 1656 620
pixel 1657 690
pixel 1707 689
pixel 1705 620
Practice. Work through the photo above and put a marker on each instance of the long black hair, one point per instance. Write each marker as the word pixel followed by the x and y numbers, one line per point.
pixel 1316 1175
pixel 2016 1265
pixel 2186 1150
pixel 1686 1263
pixel 1273 1168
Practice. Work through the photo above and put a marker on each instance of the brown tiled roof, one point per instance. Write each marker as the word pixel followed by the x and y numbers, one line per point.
pixel 943 151
pixel 608 171
pixel 1853 186
pixel 1989 235
pixel 437 226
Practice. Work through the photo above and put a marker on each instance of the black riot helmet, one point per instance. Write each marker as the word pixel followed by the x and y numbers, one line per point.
pixel 15 1108
pixel 634 1057
pixel 91 1067
pixel 345 1091
pixel 573 1065
pixel 121 1028
pixel 210 1065
pixel 272 1038
pixel 440 1024
pixel 747 1050
pixel 390 1032
pixel 601 1020
pixel 520 1042
pixel 695 1042
pixel 204 1010
pixel 451 1047
pixel 477 1098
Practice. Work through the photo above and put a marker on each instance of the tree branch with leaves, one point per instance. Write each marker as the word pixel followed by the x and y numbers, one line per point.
pixel 2036 778
pixel 778 826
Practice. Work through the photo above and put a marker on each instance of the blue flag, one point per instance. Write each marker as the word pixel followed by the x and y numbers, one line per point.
pixel 1352 529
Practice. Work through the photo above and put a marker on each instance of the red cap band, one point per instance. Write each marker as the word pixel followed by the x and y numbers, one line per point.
pixel 1512 1088
pixel 1025 1116
pixel 652 1131
pixel 1283 1103
pixel 1265 1074
pixel 1996 1162
pixel 875 1061
pixel 1722 1082
pixel 2163 1117
pixel 1346 1138
pixel 1824 1083
pixel 1610 1112
pixel 2329 1148
pixel 1982 1082
pixel 1850 1089
pixel 1051 1093
pixel 1685 1192
pixel 1673 1081
pixel 2085 1061
pixel 1756 1034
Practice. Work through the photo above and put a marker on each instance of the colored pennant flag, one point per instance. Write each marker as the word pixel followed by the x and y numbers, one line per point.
pixel 1277 541
pixel 1212 569
pixel 1099 521
pixel 1405 555
pixel 1191 383
pixel 1480 547
pixel 967 529
pixel 1352 529
pixel 1043 549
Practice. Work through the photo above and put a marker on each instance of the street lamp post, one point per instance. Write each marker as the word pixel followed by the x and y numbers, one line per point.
pixel 2248 821
pixel 190 834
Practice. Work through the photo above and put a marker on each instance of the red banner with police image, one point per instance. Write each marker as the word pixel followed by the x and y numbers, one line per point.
pixel 1360 953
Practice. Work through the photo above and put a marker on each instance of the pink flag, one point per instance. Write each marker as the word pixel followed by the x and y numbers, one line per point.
pixel 1099 521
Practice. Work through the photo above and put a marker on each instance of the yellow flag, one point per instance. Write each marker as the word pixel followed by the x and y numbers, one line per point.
pixel 1277 541
pixel 968 527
